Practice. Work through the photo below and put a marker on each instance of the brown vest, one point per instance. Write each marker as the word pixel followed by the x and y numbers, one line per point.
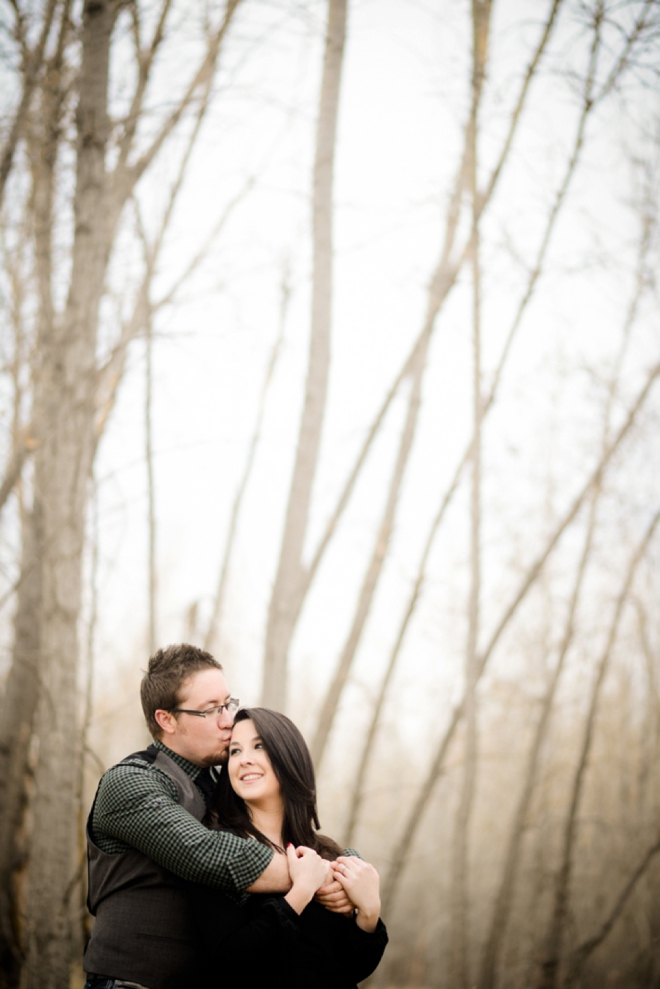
pixel 144 930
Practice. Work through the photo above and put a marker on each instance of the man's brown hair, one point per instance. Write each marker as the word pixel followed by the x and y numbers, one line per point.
pixel 168 669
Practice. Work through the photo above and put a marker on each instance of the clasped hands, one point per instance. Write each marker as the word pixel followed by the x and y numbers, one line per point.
pixel 342 886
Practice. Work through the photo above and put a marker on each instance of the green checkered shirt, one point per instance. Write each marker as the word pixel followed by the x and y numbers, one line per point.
pixel 137 807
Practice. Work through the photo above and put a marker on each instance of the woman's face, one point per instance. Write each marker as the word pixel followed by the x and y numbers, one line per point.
pixel 250 772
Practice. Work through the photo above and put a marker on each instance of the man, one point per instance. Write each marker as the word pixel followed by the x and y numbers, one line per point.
pixel 145 833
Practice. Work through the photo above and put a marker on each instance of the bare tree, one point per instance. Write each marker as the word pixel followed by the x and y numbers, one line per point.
pixel 285 598
pixel 65 424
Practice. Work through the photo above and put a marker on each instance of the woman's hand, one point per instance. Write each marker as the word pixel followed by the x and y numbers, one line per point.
pixel 362 885
pixel 308 873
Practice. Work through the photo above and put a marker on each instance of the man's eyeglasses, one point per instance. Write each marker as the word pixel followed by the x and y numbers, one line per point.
pixel 231 707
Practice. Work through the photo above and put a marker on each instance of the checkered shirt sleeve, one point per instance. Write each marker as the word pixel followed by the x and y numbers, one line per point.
pixel 136 807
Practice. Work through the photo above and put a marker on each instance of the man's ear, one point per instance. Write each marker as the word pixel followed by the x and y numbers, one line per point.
pixel 166 721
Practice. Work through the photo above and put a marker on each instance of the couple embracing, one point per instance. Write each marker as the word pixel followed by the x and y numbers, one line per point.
pixel 206 867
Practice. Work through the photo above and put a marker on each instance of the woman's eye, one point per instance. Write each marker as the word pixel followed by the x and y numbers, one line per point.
pixel 259 745
pixel 234 751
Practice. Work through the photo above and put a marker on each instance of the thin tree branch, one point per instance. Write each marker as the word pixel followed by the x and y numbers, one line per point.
pixel 22 450
pixel 200 79
pixel 32 67
pixel 145 61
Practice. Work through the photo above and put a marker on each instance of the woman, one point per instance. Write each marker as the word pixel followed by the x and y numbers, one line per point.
pixel 268 793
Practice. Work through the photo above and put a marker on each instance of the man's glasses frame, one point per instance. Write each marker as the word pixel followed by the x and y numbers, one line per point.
pixel 231 707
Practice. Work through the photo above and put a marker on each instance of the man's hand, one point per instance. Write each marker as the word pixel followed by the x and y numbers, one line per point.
pixel 334 898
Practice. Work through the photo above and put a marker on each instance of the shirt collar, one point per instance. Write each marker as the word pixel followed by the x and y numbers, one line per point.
pixel 188 767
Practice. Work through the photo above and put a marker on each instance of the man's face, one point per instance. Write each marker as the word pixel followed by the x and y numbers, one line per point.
pixel 202 741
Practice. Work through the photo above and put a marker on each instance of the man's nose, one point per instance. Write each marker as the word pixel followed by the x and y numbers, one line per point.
pixel 226 719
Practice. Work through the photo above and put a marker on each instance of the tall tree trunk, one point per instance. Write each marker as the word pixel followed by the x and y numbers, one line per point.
pixel 460 919
pixel 64 422
pixel 284 602
pixel 20 700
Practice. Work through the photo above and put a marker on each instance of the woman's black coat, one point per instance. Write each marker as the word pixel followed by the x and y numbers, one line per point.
pixel 265 944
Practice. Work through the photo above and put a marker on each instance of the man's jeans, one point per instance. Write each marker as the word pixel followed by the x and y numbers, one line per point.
pixel 100 982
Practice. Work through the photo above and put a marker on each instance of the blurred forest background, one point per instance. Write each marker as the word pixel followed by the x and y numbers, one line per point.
pixel 330 342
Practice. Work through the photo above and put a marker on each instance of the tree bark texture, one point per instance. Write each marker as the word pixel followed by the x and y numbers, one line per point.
pixel 63 418
pixel 286 598
pixel 21 695
pixel 16 724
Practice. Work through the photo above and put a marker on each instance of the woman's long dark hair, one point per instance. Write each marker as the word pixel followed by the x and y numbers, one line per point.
pixel 293 767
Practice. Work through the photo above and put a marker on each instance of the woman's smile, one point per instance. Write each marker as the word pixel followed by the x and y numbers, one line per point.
pixel 250 771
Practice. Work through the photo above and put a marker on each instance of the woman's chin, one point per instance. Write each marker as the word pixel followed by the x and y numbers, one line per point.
pixel 248 795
